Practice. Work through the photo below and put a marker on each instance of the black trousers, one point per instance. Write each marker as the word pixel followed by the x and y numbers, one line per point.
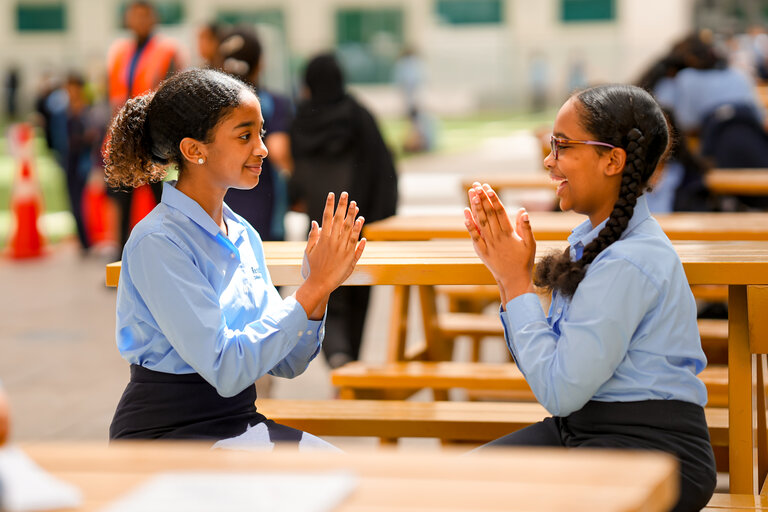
pixel 159 405
pixel 671 426
pixel 345 321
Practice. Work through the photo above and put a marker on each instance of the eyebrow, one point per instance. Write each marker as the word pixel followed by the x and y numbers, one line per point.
pixel 561 135
pixel 246 124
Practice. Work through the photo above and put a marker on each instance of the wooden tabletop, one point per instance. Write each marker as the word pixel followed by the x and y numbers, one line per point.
pixel 719 181
pixel 558 225
pixel 528 479
pixel 454 262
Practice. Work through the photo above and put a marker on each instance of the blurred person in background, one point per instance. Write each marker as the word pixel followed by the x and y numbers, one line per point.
pixel 713 102
pixel 5 417
pixel 337 146
pixel 12 81
pixel 208 40
pixel 135 66
pixel 77 161
pixel 240 54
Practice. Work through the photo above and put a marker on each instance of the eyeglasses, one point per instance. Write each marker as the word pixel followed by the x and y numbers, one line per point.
pixel 556 142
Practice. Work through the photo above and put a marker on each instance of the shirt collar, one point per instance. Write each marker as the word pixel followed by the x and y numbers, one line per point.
pixel 180 201
pixel 584 233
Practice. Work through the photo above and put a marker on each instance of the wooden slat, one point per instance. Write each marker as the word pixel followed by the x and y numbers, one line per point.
pixel 558 226
pixel 459 421
pixel 532 479
pixel 454 262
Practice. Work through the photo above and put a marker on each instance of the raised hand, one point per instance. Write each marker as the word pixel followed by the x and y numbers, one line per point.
pixel 506 250
pixel 332 252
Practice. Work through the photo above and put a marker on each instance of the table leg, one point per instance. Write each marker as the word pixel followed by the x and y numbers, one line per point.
pixel 740 408
pixel 398 323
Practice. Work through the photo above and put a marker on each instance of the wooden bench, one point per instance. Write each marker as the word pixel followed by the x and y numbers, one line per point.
pixel 449 421
pixel 358 380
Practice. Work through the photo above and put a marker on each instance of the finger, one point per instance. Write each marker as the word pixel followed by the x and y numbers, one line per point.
pixel 341 211
pixel 359 250
pixel 358 228
pixel 474 232
pixel 494 225
pixel 501 213
pixel 352 211
pixel 478 214
pixel 314 236
pixel 328 215
pixel 524 227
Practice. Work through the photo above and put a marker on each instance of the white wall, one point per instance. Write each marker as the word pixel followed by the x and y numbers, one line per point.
pixel 467 67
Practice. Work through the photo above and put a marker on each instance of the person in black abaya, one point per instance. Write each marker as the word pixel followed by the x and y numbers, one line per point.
pixel 337 146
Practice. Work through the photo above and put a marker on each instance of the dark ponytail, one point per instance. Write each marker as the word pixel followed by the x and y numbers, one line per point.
pixel 627 117
pixel 145 134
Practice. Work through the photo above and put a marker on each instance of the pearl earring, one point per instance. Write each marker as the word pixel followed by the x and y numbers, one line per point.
pixel 201 161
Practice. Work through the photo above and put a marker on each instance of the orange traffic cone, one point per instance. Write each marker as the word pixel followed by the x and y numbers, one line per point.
pixel 26 202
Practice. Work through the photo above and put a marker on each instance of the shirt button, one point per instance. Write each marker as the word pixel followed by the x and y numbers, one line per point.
pixel 559 310
pixel 301 333
pixel 309 332
pixel 232 256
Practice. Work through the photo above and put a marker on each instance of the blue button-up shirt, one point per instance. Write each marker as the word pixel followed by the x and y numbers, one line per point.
pixel 629 333
pixel 193 299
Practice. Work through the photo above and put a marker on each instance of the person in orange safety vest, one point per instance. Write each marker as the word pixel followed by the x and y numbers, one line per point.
pixel 135 66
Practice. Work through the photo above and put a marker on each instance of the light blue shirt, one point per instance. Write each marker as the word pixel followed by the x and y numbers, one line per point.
pixel 629 333
pixel 697 93
pixel 192 299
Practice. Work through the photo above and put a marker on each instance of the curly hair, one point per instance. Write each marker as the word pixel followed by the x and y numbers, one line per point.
pixel 627 117
pixel 145 134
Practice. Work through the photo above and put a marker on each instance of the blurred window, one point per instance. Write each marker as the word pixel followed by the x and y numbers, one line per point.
pixel 41 17
pixel 368 43
pixel 272 17
pixel 467 12
pixel 168 13
pixel 587 10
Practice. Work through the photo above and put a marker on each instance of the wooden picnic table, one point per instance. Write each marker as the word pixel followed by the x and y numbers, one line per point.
pixel 742 182
pixel 558 225
pixel 738 264
pixel 531 479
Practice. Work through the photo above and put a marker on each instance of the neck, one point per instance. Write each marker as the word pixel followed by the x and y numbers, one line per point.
pixel 211 199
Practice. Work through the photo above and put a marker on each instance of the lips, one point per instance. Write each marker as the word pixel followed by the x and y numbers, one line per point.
pixel 562 182
pixel 255 168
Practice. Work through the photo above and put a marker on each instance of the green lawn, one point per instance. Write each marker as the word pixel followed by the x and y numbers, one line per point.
pixel 452 135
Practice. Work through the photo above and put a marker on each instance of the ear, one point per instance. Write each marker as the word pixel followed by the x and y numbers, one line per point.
pixel 193 150
pixel 617 158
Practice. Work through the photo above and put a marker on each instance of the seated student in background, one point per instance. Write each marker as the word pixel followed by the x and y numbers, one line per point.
pixel 197 315
pixel 616 359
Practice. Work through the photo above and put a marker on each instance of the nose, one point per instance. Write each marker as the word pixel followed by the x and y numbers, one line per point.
pixel 260 149
pixel 549 161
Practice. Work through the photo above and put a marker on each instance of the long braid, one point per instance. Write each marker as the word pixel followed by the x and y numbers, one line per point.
pixel 558 271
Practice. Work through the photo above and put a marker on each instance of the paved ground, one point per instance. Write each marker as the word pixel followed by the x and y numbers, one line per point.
pixel 58 360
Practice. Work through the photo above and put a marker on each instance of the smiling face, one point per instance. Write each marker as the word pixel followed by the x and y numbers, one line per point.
pixel 589 178
pixel 235 155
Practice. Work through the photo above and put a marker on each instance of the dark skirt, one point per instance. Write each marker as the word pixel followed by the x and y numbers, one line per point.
pixel 671 426
pixel 159 405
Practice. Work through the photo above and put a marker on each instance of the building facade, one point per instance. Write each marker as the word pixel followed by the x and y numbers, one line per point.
pixel 476 54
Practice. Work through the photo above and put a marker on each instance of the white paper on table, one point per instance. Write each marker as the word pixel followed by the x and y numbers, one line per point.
pixel 27 487
pixel 233 492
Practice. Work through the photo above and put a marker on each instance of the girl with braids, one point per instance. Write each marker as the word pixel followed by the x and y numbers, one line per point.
pixel 616 359
pixel 197 315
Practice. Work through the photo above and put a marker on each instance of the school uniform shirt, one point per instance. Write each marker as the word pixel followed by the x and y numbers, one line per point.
pixel 194 299
pixel 629 333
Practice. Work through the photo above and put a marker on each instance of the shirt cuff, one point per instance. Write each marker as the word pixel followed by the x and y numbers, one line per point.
pixel 523 310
